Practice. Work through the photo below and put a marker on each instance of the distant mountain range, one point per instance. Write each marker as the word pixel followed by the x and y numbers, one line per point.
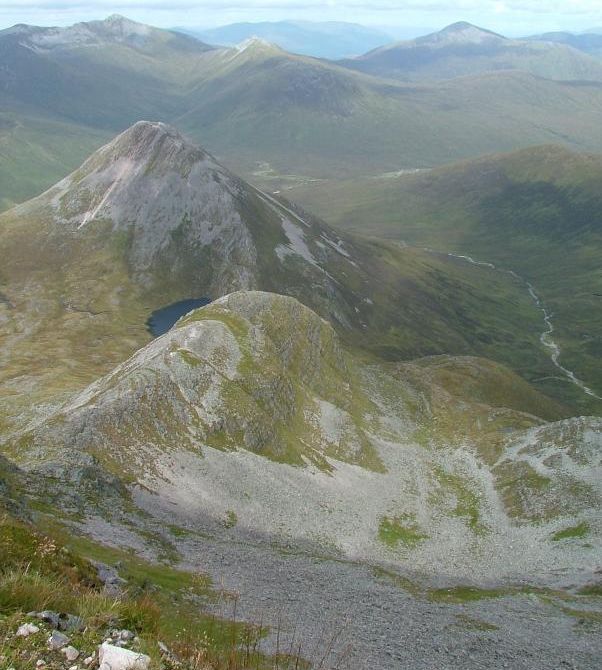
pixel 463 49
pixel 262 109
pixel 590 43
pixel 329 39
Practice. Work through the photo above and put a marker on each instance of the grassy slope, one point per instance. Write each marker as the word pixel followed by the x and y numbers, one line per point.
pixel 366 125
pixel 535 211
pixel 413 61
pixel 298 114
pixel 36 150
pixel 52 570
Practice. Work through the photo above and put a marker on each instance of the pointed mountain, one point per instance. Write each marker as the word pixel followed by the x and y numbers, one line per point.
pixel 175 220
pixel 150 221
pixel 461 32
pixel 328 39
pixel 258 46
pixel 464 49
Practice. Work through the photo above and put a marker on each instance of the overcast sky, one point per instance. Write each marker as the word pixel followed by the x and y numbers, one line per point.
pixel 509 16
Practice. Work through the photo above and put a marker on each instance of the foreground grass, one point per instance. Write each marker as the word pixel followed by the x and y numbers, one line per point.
pixel 157 603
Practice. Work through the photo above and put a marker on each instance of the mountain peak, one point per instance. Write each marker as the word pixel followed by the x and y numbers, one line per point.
pixel 462 32
pixel 256 44
pixel 117 18
pixel 115 23
pixel 151 146
pixel 149 177
pixel 143 133
pixel 459 26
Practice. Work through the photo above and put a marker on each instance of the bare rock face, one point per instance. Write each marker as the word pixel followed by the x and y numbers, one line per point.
pixel 158 194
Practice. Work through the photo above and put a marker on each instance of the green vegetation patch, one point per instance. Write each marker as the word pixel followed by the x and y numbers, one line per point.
pixel 38 571
pixel 592 590
pixel 573 532
pixel 520 484
pixel 467 500
pixel 189 358
pixel 465 594
pixel 470 623
pixel 231 519
pixel 585 616
pixel 403 529
pixel 398 581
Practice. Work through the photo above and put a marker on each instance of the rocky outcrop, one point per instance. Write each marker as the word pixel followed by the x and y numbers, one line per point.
pixel 252 370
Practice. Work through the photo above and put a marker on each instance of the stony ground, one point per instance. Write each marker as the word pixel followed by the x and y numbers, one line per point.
pixel 376 624
pixel 356 616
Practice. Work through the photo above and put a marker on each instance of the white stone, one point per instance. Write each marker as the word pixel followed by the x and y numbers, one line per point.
pixel 71 653
pixel 111 657
pixel 27 629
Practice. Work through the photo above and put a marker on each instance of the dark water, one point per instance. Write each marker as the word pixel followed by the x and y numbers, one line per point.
pixel 161 320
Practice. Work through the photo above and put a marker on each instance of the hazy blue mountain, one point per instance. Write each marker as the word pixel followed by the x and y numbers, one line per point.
pixel 331 39
pixel 463 49
pixel 259 108
pixel 590 43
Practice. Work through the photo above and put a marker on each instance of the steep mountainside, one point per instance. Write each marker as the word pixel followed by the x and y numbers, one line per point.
pixel 150 220
pixel 537 212
pixel 259 108
pixel 463 49
pixel 250 419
